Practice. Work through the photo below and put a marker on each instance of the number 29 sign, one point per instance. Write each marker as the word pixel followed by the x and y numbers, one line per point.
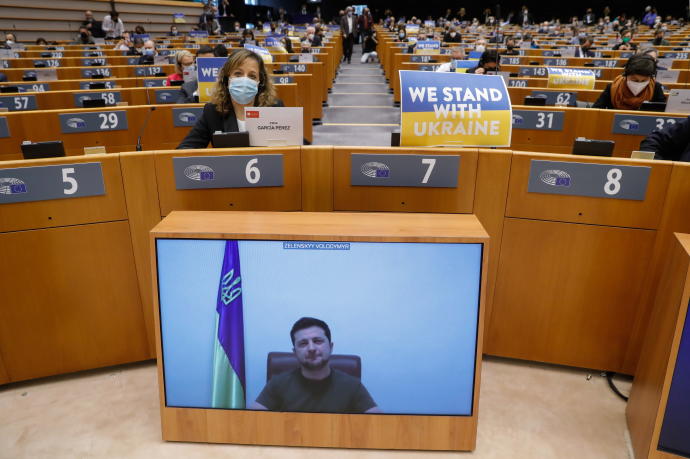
pixel 93 121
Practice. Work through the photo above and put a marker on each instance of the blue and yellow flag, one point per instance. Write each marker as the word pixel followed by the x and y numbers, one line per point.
pixel 229 385
pixel 454 109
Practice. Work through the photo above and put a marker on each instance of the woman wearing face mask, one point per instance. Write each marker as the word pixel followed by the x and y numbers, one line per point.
pixel 626 43
pixel 402 34
pixel 184 65
pixel 242 82
pixel 247 38
pixel 634 86
pixel 452 36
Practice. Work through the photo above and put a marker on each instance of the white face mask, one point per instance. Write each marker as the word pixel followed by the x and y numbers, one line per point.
pixel 480 48
pixel 636 87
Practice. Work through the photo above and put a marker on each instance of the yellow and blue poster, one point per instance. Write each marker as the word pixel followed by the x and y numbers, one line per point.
pixel 263 52
pixel 454 109
pixel 565 78
pixel 207 70
pixel 428 47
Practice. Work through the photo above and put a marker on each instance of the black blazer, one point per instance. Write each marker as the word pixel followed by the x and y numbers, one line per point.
pixel 671 143
pixel 211 121
pixel 186 94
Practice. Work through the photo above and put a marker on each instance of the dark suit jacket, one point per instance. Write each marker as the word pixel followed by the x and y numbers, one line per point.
pixel 580 53
pixel 211 121
pixel 186 94
pixel 344 26
pixel 671 143
pixel 604 100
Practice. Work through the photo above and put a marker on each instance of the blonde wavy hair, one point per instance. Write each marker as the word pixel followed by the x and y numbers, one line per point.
pixel 178 60
pixel 266 97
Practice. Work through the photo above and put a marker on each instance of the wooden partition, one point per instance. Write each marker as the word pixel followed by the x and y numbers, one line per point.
pixel 650 390
pixel 70 299
pixel 572 269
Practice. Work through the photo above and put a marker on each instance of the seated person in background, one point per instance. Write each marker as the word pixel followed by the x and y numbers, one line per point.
pixel 659 39
pixel 139 30
pixel 634 86
pixel 184 60
pixel 136 49
pixel 314 386
pixel 173 31
pixel 452 36
pixel 247 38
pixel 125 43
pixel 287 44
pixel 242 82
pixel 220 50
pixel 671 143
pixel 312 38
pixel 411 46
pixel 456 53
pixel 10 40
pixel 369 46
pixel 189 91
pixel 585 48
pixel 626 43
pixel 510 48
pixel 480 45
pixel 653 53
pixel 487 63
pixel 147 53
pixel 40 41
pixel 84 37
pixel 402 34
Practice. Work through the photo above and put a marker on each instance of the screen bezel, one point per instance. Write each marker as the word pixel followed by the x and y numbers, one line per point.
pixel 477 344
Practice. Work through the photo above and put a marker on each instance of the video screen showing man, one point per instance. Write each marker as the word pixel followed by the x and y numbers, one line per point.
pixel 314 386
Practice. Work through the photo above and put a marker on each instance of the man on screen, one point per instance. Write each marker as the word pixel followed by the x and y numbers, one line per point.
pixel 314 386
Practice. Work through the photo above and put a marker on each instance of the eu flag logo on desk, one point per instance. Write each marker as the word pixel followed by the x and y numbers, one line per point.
pixel 562 181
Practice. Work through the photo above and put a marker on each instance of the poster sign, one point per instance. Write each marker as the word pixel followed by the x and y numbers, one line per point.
pixel 428 47
pixel 565 78
pixel 454 109
pixel 263 52
pixel 208 69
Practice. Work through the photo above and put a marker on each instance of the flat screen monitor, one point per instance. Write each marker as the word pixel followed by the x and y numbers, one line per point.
pixel 230 139
pixel 402 325
pixel 589 147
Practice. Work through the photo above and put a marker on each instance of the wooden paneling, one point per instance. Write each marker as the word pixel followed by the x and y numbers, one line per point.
pixel 319 429
pixel 71 211
pixel 674 219
pixel 404 199
pixel 565 292
pixel 73 303
pixel 491 192
pixel 4 377
pixel 143 209
pixel 647 404
pixel 286 197
pixel 580 209
pixel 317 179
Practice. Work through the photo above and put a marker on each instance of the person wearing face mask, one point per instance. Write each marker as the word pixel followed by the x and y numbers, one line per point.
pixel 148 52
pixel 242 82
pixel 626 43
pixel 456 53
pixel 402 35
pixel 247 38
pixel 452 36
pixel 173 31
pixel 10 40
pixel 488 63
pixel 184 66
pixel 510 48
pixel 189 91
pixel 480 45
pixel 634 86
pixel 348 26
pixel 84 37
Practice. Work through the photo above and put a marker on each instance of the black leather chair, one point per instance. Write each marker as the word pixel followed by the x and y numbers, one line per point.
pixel 280 362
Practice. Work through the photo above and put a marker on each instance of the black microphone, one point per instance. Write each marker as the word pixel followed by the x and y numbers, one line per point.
pixel 143 126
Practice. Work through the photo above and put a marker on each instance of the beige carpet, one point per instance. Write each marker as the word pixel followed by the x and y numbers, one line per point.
pixel 525 411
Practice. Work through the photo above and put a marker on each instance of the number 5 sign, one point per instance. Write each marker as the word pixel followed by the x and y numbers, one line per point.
pixel 43 183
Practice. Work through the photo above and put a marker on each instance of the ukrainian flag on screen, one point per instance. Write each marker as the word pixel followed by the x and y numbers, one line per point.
pixel 454 109
pixel 207 69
